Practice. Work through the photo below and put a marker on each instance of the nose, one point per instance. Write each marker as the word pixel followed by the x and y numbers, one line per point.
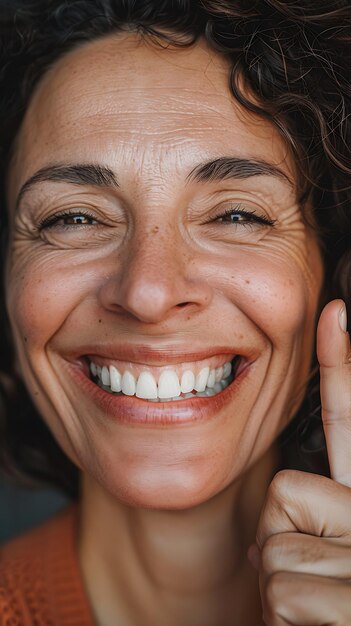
pixel 154 279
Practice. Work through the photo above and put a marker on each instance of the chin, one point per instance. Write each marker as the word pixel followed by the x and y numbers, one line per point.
pixel 174 489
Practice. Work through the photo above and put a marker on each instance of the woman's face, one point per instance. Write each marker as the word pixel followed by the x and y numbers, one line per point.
pixel 146 150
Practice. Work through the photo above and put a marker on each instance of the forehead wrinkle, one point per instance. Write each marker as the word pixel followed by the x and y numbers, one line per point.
pixel 74 123
pixel 52 91
pixel 96 106
pixel 124 114
pixel 63 127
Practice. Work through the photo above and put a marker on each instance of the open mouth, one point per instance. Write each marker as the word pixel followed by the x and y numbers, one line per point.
pixel 177 397
pixel 171 384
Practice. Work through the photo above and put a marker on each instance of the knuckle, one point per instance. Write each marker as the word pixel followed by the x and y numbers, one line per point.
pixel 271 553
pixel 313 552
pixel 282 483
pixel 331 415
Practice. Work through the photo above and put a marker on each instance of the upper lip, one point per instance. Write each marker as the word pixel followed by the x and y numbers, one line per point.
pixel 143 354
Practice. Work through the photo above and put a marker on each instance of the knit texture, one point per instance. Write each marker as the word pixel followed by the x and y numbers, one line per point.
pixel 40 580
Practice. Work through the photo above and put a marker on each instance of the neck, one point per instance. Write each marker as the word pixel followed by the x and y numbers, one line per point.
pixel 189 566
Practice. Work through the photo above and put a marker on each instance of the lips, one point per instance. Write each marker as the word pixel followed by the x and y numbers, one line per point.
pixel 155 357
pixel 133 410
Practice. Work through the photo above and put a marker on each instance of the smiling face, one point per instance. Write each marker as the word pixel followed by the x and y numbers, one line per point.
pixel 184 249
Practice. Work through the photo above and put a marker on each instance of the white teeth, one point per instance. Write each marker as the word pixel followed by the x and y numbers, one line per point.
pixel 207 393
pixel 93 368
pixel 201 379
pixel 207 382
pixel 146 386
pixel 116 379
pixel 128 384
pixel 218 374
pixel 187 382
pixel 211 379
pixel 227 369
pixel 168 384
pixel 105 376
pixel 217 387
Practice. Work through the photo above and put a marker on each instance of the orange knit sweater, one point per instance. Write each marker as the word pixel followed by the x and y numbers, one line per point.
pixel 40 581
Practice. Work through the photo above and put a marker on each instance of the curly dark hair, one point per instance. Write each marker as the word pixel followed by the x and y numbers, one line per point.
pixel 290 63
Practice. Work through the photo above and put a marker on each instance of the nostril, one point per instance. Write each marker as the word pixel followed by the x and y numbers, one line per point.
pixel 181 304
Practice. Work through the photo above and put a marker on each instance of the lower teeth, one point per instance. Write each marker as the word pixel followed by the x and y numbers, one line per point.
pixel 209 391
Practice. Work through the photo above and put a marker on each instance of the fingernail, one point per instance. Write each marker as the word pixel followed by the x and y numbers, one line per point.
pixel 343 318
pixel 253 554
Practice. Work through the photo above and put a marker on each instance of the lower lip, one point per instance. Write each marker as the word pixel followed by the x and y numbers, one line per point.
pixel 133 410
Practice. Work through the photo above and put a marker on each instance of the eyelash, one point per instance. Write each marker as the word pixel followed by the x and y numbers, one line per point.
pixel 49 222
pixel 251 217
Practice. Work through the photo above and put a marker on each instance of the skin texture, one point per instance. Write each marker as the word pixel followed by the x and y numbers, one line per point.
pixel 173 508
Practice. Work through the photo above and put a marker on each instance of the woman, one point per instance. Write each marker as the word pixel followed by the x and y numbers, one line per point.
pixel 176 184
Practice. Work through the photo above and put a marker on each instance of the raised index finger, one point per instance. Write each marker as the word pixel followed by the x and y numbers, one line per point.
pixel 333 352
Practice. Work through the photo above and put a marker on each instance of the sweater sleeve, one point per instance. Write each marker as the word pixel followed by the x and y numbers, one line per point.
pixel 40 578
pixel 19 598
pixel 9 613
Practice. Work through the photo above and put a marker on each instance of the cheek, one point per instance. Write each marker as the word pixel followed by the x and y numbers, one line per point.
pixel 40 295
pixel 278 294
pixel 277 301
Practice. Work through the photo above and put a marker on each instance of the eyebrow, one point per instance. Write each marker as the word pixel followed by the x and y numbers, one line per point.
pixel 78 174
pixel 219 169
pixel 225 168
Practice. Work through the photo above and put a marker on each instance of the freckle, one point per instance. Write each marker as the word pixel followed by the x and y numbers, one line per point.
pixel 25 339
pixel 247 281
pixel 36 393
pixel 99 321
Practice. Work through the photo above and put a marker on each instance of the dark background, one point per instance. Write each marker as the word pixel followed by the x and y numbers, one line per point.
pixel 21 509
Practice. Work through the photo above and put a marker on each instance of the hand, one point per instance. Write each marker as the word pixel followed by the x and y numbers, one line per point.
pixel 303 551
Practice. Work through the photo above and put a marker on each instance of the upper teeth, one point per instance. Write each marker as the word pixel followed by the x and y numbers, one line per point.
pixel 168 385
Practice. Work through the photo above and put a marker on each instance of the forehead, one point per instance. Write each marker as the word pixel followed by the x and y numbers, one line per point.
pixel 122 93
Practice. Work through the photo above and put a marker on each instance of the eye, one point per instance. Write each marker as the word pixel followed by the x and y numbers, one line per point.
pixel 68 219
pixel 240 216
